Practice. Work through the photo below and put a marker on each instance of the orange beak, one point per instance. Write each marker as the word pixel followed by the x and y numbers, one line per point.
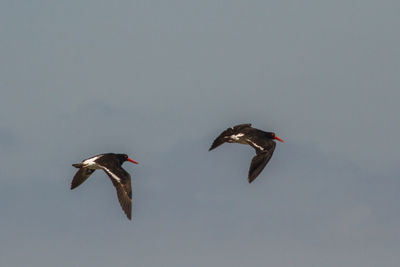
pixel 131 160
pixel 277 138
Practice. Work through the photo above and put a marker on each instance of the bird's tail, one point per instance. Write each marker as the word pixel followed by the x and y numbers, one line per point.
pixel 77 165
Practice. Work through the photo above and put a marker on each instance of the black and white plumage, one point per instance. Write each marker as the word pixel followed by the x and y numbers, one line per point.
pixel 262 142
pixel 111 164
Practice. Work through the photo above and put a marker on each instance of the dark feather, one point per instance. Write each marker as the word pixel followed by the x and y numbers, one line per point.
pixel 81 175
pixel 124 193
pixel 123 185
pixel 239 127
pixel 260 144
pixel 263 142
pixel 258 163
pixel 221 138
pixel 224 136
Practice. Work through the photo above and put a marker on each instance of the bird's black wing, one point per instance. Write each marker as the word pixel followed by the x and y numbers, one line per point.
pixel 81 175
pixel 260 160
pixel 240 127
pixel 224 136
pixel 122 182
pixel 259 142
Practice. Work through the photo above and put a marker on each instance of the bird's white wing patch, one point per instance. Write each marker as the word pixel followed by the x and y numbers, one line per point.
pixel 91 161
pixel 254 144
pixel 115 177
pixel 236 137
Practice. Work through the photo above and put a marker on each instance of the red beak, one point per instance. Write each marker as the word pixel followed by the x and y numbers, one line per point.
pixel 277 138
pixel 131 160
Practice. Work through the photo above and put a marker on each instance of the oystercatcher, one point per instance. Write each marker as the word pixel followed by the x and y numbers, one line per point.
pixel 262 142
pixel 111 164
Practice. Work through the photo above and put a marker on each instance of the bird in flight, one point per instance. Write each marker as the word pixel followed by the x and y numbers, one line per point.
pixel 262 142
pixel 110 163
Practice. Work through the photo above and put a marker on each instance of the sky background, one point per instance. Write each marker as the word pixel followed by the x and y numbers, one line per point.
pixel 159 80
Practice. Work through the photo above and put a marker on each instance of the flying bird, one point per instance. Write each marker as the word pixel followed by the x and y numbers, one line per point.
pixel 110 163
pixel 262 142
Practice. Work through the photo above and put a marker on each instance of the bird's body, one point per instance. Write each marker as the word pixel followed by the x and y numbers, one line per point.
pixel 262 142
pixel 110 163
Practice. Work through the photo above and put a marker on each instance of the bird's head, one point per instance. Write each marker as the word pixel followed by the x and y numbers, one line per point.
pixel 124 157
pixel 273 136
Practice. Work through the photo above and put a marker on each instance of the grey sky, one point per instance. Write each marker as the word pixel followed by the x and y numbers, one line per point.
pixel 159 80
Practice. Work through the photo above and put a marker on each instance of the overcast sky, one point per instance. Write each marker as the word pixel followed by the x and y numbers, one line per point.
pixel 159 80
